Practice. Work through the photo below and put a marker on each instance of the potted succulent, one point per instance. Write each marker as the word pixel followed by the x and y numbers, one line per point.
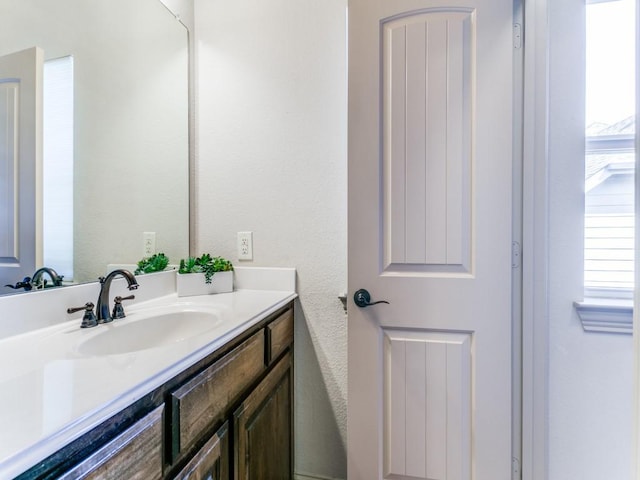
pixel 154 263
pixel 204 275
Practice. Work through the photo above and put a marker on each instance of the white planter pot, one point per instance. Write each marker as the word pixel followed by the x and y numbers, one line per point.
pixel 189 284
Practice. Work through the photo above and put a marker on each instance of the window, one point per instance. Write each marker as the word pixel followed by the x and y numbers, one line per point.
pixel 610 155
pixel 609 167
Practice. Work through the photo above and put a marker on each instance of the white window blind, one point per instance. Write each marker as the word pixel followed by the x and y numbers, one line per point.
pixel 58 166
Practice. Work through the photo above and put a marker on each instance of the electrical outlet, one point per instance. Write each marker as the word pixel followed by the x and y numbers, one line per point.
pixel 149 244
pixel 245 245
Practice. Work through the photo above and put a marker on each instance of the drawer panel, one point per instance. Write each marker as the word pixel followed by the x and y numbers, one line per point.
pixel 135 454
pixel 203 401
pixel 279 335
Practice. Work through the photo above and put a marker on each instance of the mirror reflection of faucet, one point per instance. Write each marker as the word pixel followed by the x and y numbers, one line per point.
pixel 37 282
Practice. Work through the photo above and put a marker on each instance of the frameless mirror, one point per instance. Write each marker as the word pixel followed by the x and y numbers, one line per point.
pixel 127 157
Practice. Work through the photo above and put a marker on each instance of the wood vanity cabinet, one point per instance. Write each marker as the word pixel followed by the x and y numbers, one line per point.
pixel 227 417
pixel 261 438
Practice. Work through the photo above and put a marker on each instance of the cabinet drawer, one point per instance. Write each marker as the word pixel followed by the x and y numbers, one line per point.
pixel 203 401
pixel 135 454
pixel 279 335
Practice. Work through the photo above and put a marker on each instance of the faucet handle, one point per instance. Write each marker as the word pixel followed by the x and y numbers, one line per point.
pixel 118 309
pixel 25 283
pixel 89 318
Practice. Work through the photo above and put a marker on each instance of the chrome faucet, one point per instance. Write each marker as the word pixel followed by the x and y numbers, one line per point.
pixel 102 307
pixel 38 282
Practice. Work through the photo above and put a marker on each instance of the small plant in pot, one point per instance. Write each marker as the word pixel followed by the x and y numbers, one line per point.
pixel 154 263
pixel 204 275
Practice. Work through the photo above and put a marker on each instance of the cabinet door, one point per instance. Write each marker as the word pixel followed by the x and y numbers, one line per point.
pixel 212 460
pixel 263 428
pixel 135 454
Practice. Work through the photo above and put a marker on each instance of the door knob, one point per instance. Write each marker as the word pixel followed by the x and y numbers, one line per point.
pixel 362 298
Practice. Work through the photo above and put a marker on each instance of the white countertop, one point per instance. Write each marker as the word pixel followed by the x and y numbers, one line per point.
pixel 51 393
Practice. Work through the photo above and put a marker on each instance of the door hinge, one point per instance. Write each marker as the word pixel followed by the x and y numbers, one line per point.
pixel 516 472
pixel 517 36
pixel 516 255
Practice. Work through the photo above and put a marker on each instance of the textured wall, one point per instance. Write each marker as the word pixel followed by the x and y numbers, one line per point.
pixel 271 159
pixel 590 375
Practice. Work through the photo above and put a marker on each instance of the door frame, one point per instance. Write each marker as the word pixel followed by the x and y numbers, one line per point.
pixel 636 302
pixel 530 230
pixel 535 306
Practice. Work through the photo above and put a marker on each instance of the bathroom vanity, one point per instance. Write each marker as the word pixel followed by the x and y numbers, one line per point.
pixel 211 397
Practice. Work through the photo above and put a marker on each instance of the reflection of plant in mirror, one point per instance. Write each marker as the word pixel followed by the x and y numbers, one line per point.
pixel 205 264
pixel 155 263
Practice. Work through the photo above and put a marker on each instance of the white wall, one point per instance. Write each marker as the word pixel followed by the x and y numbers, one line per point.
pixel 590 375
pixel 271 159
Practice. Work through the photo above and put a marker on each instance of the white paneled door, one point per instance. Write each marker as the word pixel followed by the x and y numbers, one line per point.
pixel 430 228
pixel 20 165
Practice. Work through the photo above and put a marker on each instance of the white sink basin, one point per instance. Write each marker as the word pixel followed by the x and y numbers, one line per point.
pixel 144 330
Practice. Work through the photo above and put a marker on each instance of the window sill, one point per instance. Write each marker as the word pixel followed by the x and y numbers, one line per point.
pixel 602 315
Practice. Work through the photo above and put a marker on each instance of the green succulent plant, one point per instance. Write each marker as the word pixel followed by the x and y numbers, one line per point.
pixel 205 264
pixel 154 263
